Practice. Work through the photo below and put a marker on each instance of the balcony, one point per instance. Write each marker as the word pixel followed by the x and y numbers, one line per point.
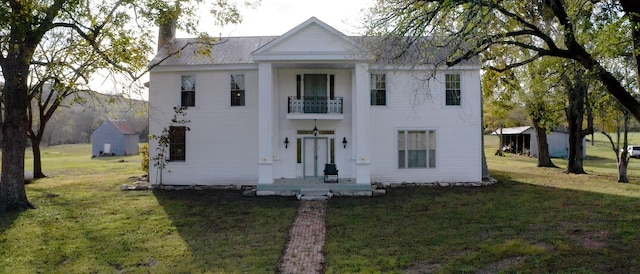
pixel 315 107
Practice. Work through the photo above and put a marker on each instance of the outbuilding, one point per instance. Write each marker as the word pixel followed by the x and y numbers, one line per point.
pixel 115 137
pixel 523 140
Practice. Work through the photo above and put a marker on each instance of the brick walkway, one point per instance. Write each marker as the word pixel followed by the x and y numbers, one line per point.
pixel 305 249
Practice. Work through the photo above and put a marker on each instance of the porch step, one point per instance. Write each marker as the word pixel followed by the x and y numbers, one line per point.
pixel 308 194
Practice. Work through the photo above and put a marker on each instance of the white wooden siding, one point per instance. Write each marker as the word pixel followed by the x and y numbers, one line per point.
pixel 415 104
pixel 222 143
pixel 221 147
pixel 558 144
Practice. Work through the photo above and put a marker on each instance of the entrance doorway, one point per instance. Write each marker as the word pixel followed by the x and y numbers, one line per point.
pixel 316 154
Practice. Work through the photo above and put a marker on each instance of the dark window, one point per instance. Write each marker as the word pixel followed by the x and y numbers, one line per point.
pixel 298 86
pixel 188 91
pixel 378 90
pixel 299 151
pixel 452 87
pixel 332 88
pixel 332 150
pixel 237 90
pixel 177 143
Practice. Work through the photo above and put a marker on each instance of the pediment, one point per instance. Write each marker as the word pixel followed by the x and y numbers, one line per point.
pixel 312 40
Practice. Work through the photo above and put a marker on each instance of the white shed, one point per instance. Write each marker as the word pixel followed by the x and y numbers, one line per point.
pixel 523 140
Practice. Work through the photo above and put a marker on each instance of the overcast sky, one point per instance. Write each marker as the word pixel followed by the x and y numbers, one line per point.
pixel 275 17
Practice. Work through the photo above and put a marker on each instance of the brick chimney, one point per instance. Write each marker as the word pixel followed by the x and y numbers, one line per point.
pixel 167 23
pixel 167 31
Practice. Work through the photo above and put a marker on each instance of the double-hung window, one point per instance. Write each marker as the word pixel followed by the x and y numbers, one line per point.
pixel 188 91
pixel 237 90
pixel 416 149
pixel 378 90
pixel 177 143
pixel 452 89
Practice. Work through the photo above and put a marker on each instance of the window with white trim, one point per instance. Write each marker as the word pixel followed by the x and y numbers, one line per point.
pixel 237 90
pixel 378 90
pixel 416 149
pixel 188 91
pixel 452 89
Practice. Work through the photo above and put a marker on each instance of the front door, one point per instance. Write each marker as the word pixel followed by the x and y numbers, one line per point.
pixel 315 156
pixel 315 93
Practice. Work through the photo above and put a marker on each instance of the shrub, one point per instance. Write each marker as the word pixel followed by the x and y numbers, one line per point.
pixel 145 157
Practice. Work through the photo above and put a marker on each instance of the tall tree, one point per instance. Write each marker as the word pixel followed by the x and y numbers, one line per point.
pixel 62 71
pixel 473 27
pixel 577 90
pixel 119 31
pixel 529 88
pixel 542 105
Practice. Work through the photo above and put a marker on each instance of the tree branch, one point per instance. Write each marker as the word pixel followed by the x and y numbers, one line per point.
pixel 515 65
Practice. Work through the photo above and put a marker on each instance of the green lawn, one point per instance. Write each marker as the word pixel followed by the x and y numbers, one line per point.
pixel 85 224
pixel 534 220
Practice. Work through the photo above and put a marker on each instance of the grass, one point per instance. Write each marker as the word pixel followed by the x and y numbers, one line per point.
pixel 534 220
pixel 85 224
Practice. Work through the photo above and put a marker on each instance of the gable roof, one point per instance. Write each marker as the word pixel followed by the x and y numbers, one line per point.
pixel 124 127
pixel 350 44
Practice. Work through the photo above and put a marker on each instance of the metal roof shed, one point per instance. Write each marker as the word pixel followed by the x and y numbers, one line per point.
pixel 523 140
pixel 114 137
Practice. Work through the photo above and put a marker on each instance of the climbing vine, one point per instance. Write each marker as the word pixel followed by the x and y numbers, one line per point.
pixel 161 158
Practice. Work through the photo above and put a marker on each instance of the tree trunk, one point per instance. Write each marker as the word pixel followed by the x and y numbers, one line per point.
pixel 544 159
pixel 623 161
pixel 36 137
pixel 500 152
pixel 574 161
pixel 13 196
pixel 632 10
pixel 37 157
pixel 577 95
pixel 622 166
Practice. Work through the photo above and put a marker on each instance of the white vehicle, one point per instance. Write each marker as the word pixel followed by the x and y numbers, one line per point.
pixel 634 151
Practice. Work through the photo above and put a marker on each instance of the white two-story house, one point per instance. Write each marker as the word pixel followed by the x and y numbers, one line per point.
pixel 263 110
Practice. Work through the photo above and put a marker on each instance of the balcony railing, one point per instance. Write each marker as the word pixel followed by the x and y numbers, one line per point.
pixel 315 104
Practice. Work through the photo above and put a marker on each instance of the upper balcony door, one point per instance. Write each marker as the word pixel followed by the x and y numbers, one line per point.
pixel 315 93
pixel 315 98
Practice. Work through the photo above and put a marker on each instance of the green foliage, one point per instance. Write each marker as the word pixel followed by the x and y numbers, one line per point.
pixel 68 42
pixel 144 163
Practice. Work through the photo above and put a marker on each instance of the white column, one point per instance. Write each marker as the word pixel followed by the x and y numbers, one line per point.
pixel 360 119
pixel 265 123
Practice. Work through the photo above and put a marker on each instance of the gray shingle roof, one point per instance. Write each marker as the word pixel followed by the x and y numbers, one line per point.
pixel 237 50
pixel 192 51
